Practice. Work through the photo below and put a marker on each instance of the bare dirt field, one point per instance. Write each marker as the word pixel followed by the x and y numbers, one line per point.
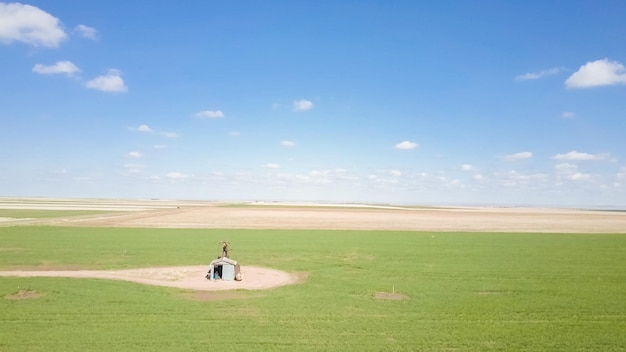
pixel 197 214
pixel 336 218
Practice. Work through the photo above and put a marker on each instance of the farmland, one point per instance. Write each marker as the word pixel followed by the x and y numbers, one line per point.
pixel 359 290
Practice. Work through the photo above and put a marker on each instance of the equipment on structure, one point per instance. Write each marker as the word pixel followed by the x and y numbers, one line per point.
pixel 224 268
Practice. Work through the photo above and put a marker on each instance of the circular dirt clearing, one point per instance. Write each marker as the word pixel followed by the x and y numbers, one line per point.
pixel 186 277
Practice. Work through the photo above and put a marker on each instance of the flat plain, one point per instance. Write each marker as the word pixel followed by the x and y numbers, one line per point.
pixel 370 278
pixel 258 215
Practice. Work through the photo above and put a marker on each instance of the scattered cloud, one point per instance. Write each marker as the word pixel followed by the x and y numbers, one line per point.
pixel 467 167
pixel 570 172
pixel 396 173
pixel 29 24
pixel 66 67
pixel 135 155
pixel 288 143
pixel 144 128
pixel 406 145
pixel 176 176
pixel 111 82
pixel 160 146
pixel 574 155
pixel 568 115
pixel 518 156
pixel 531 76
pixel 86 32
pixel 328 176
pixel 302 105
pixel 514 178
pixel 210 114
pixel 271 166
pixel 597 73
pixel 148 129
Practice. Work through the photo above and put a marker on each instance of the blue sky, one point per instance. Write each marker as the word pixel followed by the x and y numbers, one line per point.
pixel 412 102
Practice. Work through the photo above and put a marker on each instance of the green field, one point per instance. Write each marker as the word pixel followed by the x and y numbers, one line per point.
pixel 464 292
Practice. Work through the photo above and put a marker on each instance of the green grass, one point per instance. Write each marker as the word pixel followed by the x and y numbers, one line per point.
pixel 467 292
pixel 43 213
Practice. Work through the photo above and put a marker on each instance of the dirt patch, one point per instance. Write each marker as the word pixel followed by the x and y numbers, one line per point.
pixel 185 277
pixel 301 276
pixel 23 295
pixel 391 296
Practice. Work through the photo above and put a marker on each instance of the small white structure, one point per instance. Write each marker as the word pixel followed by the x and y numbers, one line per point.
pixel 225 269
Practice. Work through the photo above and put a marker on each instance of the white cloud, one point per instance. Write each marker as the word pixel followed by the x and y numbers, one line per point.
pixel 406 145
pixel 29 24
pixel 580 177
pixel 210 114
pixel 288 143
pixel 302 105
pixel 467 167
pixel 568 115
pixel 570 172
pixel 271 166
pixel 144 128
pixel 135 155
pixel 597 73
pixel 66 67
pixel 176 176
pixel 86 32
pixel 519 156
pixel 328 176
pixel 159 146
pixel 111 82
pixel 537 75
pixel 513 178
pixel 396 173
pixel 574 155
pixel 148 129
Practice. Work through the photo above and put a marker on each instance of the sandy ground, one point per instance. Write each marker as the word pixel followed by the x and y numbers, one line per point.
pixel 185 277
pixel 326 218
